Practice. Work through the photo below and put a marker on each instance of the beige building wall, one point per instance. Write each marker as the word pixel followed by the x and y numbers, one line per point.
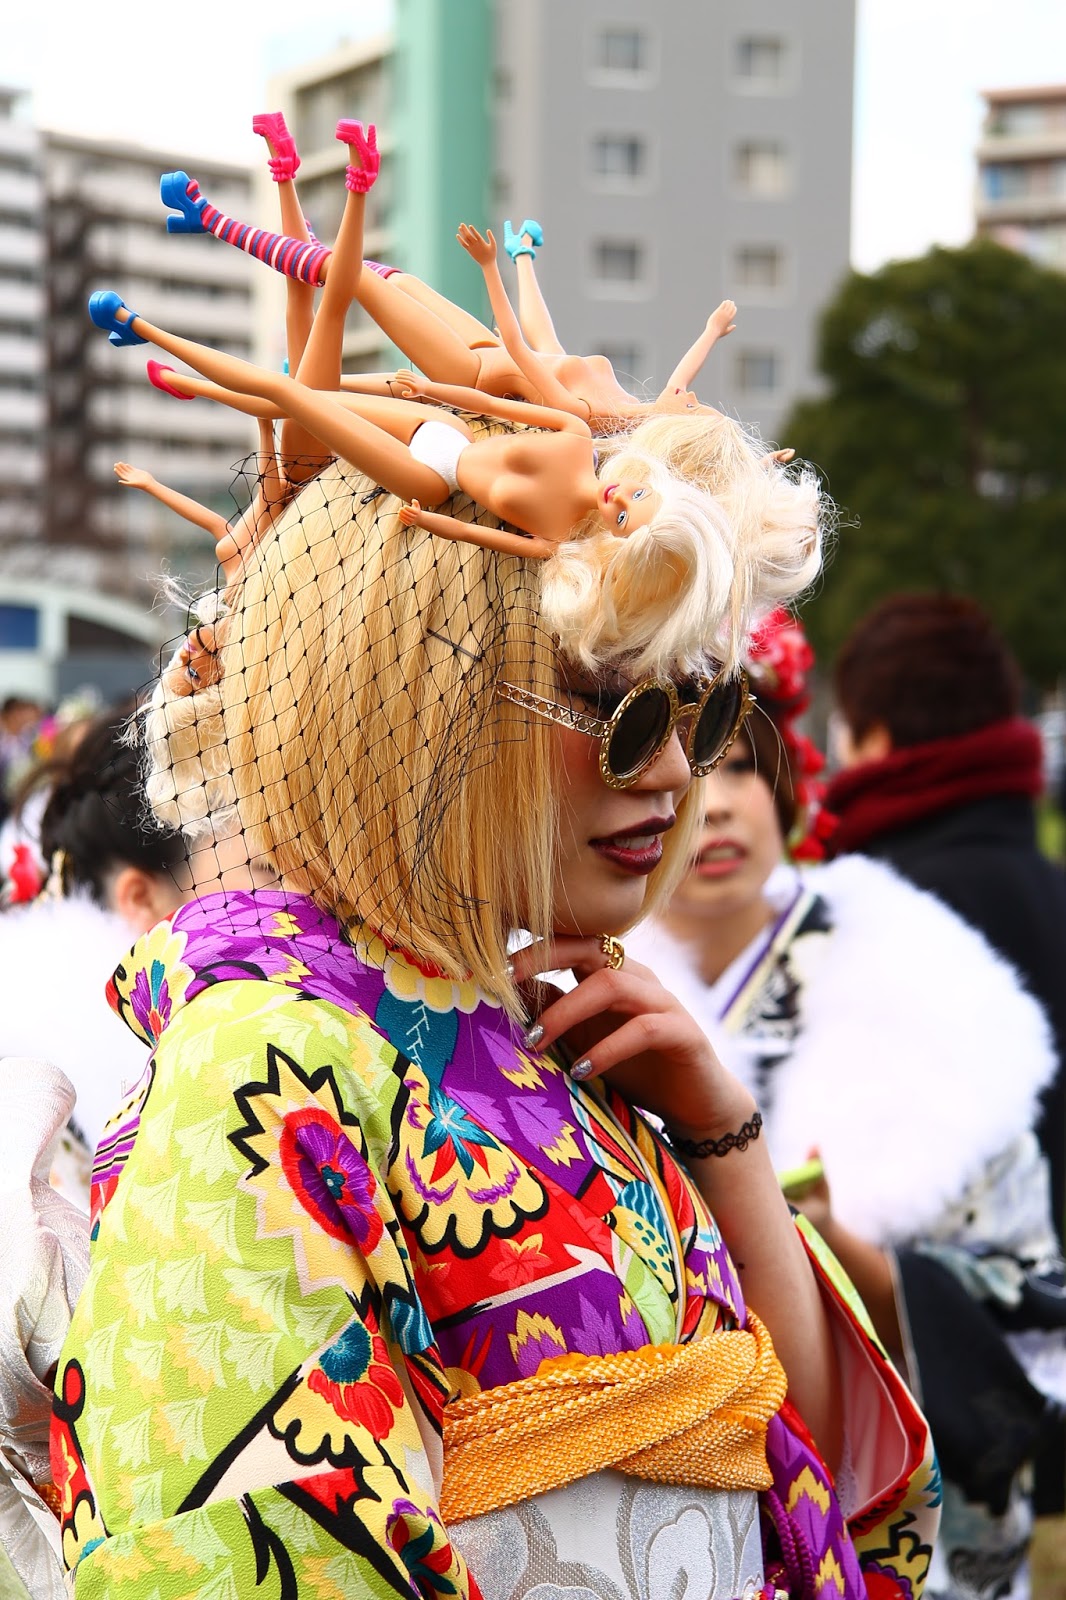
pixel 1021 172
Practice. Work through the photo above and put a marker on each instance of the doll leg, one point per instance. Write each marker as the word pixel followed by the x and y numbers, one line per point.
pixel 320 365
pixel 474 334
pixel 533 315
pixel 284 160
pixel 369 448
pixel 185 387
pixel 296 258
pixel 408 316
pixel 272 493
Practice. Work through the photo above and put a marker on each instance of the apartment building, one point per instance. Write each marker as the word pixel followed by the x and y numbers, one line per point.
pixel 105 227
pixel 705 153
pixel 22 301
pixel 675 156
pixel 1021 177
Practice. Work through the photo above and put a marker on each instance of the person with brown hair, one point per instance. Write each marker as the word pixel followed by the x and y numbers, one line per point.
pixel 873 1027
pixel 940 774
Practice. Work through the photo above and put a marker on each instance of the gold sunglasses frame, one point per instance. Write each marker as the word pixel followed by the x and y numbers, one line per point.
pixel 597 728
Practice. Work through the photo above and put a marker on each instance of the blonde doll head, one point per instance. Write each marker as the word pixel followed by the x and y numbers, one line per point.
pixel 733 535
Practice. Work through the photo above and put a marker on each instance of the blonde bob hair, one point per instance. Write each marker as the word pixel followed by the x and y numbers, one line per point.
pixel 355 739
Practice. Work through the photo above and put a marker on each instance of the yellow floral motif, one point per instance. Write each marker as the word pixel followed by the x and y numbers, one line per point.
pixel 525 1075
pixel 404 979
pixel 533 1329
pixel 806 1484
pixel 564 1150
pixel 284 925
pixel 829 1572
pixel 293 974
pixel 85 1527
pixel 159 953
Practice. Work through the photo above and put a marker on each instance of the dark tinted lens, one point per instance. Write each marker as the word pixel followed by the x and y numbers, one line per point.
pixel 716 722
pixel 639 732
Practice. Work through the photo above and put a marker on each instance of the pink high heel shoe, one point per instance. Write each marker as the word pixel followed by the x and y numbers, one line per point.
pixel 283 164
pixel 362 178
pixel 156 370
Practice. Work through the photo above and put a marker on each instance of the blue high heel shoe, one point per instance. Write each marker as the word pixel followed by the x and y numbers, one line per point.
pixel 512 242
pixel 174 192
pixel 102 308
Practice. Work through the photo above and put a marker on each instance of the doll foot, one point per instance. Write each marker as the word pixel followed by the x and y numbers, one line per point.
pixel 349 130
pixel 156 370
pixel 357 180
pixel 103 308
pixel 515 243
pixel 284 159
pixel 364 141
pixel 182 194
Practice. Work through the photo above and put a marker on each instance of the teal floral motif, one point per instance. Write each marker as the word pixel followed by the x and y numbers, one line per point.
pixel 450 1129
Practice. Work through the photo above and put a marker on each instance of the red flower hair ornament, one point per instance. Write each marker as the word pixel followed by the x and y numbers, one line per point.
pixel 779 661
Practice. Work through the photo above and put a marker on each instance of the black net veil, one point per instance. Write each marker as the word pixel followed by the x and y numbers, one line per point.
pixel 355 746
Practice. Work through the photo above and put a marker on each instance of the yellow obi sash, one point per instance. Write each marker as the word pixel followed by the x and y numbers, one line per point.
pixel 690 1414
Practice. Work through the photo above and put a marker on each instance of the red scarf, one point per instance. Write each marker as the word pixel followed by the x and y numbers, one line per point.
pixel 919 780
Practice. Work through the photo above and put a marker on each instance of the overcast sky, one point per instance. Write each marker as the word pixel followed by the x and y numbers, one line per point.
pixel 920 67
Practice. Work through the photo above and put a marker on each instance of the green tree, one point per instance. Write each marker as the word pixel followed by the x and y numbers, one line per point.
pixel 942 438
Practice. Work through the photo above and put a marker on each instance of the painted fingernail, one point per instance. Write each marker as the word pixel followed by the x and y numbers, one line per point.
pixel 581 1069
pixel 534 1036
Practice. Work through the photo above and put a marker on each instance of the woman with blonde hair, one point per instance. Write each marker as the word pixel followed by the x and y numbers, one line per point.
pixel 394 1290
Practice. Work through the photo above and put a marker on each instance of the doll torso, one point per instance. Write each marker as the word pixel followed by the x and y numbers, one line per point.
pixel 542 483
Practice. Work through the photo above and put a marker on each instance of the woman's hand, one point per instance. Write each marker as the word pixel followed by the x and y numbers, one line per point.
pixel 626 1025
pixel 411 514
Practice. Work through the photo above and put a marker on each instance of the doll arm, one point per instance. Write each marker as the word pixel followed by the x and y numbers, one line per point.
pixel 719 323
pixel 529 363
pixel 508 544
pixel 201 516
pixel 412 387
pixel 374 383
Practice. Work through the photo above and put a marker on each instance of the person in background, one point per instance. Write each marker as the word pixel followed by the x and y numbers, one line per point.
pixel 19 718
pixel 873 1027
pixel 941 773
pixel 114 873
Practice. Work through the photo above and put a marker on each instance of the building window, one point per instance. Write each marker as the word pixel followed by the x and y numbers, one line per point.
pixel 619 157
pixel 760 62
pixel 628 362
pixel 618 260
pixel 760 266
pixel 18 627
pixel 758 372
pixel 623 51
pixel 760 167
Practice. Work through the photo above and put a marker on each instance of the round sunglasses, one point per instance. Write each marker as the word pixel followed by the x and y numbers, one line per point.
pixel 640 726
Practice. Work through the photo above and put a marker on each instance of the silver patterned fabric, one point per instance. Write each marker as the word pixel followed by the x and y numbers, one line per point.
pixel 610 1537
pixel 44 1256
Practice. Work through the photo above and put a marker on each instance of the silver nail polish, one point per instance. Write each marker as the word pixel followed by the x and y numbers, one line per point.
pixel 581 1069
pixel 533 1037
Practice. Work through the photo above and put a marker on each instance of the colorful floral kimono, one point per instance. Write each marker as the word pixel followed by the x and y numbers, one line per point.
pixel 343 1205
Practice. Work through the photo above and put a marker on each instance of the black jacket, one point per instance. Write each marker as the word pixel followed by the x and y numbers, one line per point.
pixel 983 860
